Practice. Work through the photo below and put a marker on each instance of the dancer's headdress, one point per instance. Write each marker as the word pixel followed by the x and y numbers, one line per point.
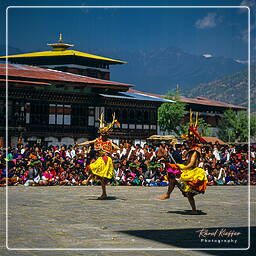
pixel 193 133
pixel 107 129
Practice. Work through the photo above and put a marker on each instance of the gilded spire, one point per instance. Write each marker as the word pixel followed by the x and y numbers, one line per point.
pixel 60 46
pixel 60 38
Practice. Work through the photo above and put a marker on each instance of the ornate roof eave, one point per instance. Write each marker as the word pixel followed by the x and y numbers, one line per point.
pixel 60 49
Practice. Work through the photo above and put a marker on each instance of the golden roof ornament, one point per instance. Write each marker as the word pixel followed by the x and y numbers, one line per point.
pixel 60 46
pixel 60 39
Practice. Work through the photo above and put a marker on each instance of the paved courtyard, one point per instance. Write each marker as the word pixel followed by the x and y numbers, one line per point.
pixel 132 218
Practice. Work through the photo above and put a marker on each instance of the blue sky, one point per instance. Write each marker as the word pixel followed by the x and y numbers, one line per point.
pixel 215 31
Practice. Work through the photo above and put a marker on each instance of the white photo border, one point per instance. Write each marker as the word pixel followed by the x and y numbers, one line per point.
pixel 130 249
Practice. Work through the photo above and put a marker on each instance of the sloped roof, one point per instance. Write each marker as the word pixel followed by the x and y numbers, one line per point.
pixel 198 100
pixel 43 74
pixel 24 83
pixel 153 97
pixel 129 95
pixel 206 101
pixel 63 53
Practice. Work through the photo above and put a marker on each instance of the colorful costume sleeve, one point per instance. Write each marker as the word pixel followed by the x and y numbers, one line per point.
pixel 173 170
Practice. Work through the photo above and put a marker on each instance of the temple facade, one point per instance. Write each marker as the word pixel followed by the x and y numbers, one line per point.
pixel 55 97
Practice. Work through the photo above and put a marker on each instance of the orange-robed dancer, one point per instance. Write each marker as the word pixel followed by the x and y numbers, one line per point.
pixel 102 168
pixel 189 178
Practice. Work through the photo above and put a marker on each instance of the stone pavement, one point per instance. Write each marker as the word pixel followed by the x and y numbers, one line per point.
pixel 132 218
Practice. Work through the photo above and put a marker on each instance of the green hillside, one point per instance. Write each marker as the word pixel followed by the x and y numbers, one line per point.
pixel 231 89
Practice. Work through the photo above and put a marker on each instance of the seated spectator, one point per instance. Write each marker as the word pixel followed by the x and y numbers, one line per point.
pixel 242 178
pixel 230 178
pixel 220 179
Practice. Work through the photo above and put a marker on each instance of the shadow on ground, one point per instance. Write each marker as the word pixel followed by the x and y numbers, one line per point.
pixel 106 199
pixel 189 238
pixel 188 212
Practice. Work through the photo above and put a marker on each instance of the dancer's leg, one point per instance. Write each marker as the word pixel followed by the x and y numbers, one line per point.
pixel 103 186
pixel 85 182
pixel 171 186
pixel 192 203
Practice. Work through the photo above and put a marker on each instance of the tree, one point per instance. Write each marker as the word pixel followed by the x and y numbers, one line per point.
pixel 234 126
pixel 170 117
pixel 253 125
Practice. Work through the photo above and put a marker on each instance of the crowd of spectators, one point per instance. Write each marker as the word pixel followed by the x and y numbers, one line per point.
pixel 135 165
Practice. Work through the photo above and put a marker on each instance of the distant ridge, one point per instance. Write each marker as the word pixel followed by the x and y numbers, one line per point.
pixel 159 70
pixel 232 89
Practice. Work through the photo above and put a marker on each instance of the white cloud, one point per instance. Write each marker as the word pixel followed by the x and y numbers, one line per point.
pixel 207 55
pixel 209 21
pixel 242 61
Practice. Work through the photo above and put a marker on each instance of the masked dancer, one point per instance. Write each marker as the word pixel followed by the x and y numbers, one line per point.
pixel 189 178
pixel 102 169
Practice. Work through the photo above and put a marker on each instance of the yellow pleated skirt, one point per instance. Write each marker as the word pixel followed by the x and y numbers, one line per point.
pixel 193 180
pixel 101 168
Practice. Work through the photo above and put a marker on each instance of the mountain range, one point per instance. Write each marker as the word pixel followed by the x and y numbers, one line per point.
pixel 231 89
pixel 160 70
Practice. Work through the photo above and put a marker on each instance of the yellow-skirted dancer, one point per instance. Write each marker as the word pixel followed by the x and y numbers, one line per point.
pixel 189 178
pixel 102 168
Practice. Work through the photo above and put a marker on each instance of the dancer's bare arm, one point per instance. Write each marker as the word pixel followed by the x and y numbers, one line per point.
pixel 192 162
pixel 86 143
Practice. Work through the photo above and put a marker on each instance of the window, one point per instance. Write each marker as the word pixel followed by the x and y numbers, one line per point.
pixel 146 117
pixel 108 117
pixel 27 111
pixel 91 120
pixel 132 126
pixel 153 127
pixel 18 111
pixel 37 113
pixel 118 116
pixel 131 115
pixel 124 126
pixel 138 116
pixel 79 115
pixel 91 116
pixel 124 116
pixel 60 114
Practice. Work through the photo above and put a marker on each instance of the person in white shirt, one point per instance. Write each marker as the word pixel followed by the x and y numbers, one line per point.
pixel 72 152
pixel 68 153
pixel 252 153
pixel 131 150
pixel 216 153
pixel 122 151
